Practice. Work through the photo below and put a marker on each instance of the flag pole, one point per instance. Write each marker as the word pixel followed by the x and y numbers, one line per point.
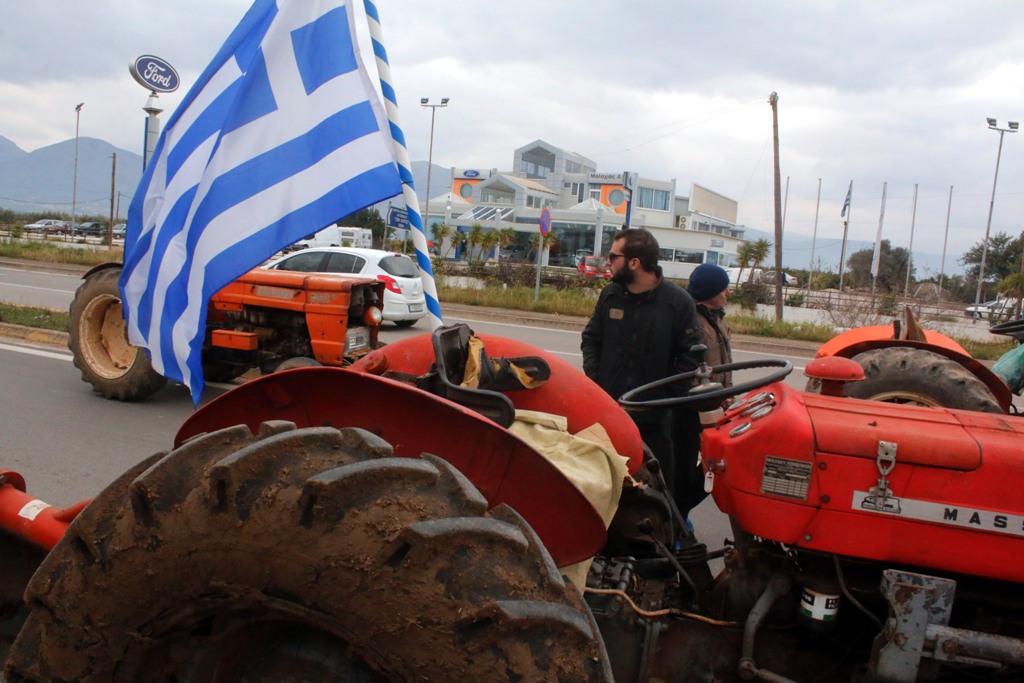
pixel 876 258
pixel 847 211
pixel 814 239
pixel 412 204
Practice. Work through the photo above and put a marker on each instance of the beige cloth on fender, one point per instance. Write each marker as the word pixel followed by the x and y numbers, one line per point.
pixel 588 459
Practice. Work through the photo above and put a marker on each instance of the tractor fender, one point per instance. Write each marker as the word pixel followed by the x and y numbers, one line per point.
pixel 504 468
pixel 102 266
pixel 855 341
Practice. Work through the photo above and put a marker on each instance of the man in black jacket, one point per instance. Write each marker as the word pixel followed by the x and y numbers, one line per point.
pixel 642 330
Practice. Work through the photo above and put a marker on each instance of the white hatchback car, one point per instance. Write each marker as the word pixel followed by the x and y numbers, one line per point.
pixel 404 302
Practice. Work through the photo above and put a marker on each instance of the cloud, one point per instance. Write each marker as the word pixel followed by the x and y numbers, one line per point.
pixel 871 91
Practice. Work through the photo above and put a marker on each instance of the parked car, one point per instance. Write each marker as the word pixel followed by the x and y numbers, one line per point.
pixel 119 231
pixel 768 278
pixel 1001 308
pixel 90 228
pixel 404 301
pixel 594 266
pixel 47 225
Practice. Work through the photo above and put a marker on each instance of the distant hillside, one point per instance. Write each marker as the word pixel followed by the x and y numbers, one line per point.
pixel 9 150
pixel 44 180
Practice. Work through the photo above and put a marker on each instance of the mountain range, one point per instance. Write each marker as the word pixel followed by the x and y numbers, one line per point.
pixel 45 180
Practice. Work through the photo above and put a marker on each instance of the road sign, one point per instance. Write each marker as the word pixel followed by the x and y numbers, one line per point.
pixel 398 217
pixel 545 222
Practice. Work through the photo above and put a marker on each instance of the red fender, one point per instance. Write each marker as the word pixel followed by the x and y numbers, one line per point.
pixel 504 468
pixel 860 339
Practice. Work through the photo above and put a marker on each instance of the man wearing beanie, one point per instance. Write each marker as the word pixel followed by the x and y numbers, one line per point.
pixel 642 330
pixel 709 287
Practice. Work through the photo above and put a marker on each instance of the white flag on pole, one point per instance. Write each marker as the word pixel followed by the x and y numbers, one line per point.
pixel 281 135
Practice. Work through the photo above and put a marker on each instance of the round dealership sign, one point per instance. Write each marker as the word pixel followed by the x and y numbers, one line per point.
pixel 154 73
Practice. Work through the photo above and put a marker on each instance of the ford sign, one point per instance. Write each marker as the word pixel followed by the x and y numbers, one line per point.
pixel 154 74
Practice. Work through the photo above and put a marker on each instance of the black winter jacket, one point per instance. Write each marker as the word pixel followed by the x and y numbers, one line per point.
pixel 633 339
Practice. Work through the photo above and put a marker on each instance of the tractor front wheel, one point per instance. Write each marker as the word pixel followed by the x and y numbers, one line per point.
pixel 301 555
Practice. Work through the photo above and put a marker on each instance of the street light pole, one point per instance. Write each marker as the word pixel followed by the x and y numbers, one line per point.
pixel 74 182
pixel 425 102
pixel 1011 127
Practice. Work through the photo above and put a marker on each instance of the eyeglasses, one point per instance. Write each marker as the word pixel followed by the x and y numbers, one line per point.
pixel 612 256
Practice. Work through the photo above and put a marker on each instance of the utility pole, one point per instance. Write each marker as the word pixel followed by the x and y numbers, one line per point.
pixel 113 174
pixel 773 100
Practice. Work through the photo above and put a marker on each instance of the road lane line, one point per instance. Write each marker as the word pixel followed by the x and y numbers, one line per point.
pixel 35 352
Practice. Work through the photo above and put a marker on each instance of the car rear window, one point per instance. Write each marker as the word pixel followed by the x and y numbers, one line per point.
pixel 399 266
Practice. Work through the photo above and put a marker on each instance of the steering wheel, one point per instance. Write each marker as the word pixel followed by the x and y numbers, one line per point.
pixel 696 396
pixel 1011 328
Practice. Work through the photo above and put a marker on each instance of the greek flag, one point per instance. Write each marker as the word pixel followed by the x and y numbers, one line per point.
pixel 846 204
pixel 281 135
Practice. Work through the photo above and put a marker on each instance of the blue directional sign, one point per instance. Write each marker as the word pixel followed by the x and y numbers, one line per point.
pixel 398 217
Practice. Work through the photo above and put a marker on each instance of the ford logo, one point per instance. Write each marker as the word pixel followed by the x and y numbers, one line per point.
pixel 154 73
pixel 471 174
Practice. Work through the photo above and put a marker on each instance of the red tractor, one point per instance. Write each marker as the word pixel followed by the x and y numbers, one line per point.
pixel 267 320
pixel 390 522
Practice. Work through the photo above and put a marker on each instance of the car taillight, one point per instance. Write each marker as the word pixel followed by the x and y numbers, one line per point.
pixel 372 316
pixel 390 284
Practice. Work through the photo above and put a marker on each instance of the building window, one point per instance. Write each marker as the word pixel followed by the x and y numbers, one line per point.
pixel 689 256
pixel 595 193
pixel 651 198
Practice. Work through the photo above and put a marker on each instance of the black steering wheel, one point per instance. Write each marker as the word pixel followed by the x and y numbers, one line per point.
pixel 714 393
pixel 1011 328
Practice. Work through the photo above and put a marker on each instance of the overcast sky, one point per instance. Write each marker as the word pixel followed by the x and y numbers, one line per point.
pixel 869 91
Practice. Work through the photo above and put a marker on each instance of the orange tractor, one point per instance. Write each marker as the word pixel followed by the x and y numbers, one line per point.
pixel 396 521
pixel 266 319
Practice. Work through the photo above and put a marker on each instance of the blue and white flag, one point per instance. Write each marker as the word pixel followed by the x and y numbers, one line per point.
pixel 846 204
pixel 281 135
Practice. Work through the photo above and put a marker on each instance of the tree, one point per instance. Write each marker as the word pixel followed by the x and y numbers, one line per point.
pixel 1013 286
pixel 892 268
pixel 474 242
pixel 745 256
pixel 1003 258
pixel 506 237
pixel 759 251
pixel 441 232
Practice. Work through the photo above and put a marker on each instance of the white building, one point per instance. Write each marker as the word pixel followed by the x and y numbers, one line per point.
pixel 587 208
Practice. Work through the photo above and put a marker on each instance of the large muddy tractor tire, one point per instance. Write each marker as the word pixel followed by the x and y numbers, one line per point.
pixel 301 555
pixel 919 377
pixel 98 339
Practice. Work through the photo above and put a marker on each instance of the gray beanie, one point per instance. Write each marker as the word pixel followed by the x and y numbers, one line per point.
pixel 707 281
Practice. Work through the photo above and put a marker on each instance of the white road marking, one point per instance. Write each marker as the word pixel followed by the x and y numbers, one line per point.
pixel 35 352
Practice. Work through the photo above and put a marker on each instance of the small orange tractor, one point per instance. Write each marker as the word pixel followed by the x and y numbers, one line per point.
pixel 266 319
pixel 396 520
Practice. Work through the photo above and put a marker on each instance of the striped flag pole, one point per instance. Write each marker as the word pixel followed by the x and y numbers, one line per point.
pixel 412 204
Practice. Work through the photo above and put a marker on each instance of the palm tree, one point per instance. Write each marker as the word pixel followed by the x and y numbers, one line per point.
pixel 441 232
pixel 488 241
pixel 1013 286
pixel 474 238
pixel 506 238
pixel 759 254
pixel 745 255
